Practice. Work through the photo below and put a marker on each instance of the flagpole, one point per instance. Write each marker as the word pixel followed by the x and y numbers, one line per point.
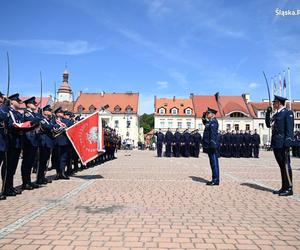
pixel 290 93
pixel 284 85
pixel 276 86
pixel 280 84
pixel 272 81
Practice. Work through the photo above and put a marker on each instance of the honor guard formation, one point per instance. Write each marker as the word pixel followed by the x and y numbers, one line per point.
pixel 38 135
pixel 237 143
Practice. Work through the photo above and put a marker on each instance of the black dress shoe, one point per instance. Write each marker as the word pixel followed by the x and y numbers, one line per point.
pixel 17 191
pixel 287 192
pixel 27 187
pixel 64 177
pixel 277 191
pixel 2 196
pixel 212 183
pixel 41 182
pixel 9 193
pixel 48 180
pixel 34 185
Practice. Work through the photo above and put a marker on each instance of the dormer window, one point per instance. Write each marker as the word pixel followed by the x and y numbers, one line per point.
pixel 92 109
pixel 174 111
pixel 117 109
pixel 161 111
pixel 188 111
pixel 129 109
pixel 80 109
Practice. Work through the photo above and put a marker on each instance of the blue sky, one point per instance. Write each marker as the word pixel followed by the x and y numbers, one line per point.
pixel 158 47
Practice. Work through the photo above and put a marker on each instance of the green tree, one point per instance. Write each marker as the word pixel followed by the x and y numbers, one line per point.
pixel 147 122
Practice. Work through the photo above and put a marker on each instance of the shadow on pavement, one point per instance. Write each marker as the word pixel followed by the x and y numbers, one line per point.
pixel 89 177
pixel 257 187
pixel 198 179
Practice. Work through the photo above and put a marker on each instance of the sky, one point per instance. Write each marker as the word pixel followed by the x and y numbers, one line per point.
pixel 155 47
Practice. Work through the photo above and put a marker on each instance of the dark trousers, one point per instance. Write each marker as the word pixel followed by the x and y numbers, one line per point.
pixel 187 150
pixel 63 158
pixel 282 157
pixel 233 151
pixel 55 157
pixel 256 151
pixel 13 155
pixel 159 149
pixel 29 154
pixel 3 167
pixel 227 152
pixel 168 149
pixel 44 157
pixel 196 150
pixel 238 151
pixel 214 164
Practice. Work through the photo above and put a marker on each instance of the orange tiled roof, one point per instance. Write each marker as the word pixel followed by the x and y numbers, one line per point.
pixel 98 100
pixel 65 105
pixel 201 102
pixel 169 103
pixel 234 103
pixel 264 105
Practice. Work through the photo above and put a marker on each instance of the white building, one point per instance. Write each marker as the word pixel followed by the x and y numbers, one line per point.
pixel 119 111
pixel 64 93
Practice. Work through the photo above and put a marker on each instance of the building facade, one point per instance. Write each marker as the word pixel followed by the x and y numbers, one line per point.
pixel 234 113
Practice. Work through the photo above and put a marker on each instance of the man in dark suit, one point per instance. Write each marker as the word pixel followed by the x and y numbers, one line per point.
pixel 255 144
pixel 168 142
pixel 196 141
pixel 282 124
pixel 177 143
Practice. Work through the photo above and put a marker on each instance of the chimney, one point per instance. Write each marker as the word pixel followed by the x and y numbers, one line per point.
pixel 217 96
pixel 246 97
pixel 191 95
pixel 102 93
pixel 173 98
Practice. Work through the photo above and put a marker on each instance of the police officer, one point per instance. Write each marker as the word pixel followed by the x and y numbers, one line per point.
pixel 247 144
pixel 177 143
pixel 3 140
pixel 159 142
pixel 187 139
pixel 62 146
pixel 197 141
pixel 168 142
pixel 226 143
pixel 15 132
pixel 239 142
pixel 255 144
pixel 48 128
pixel 233 144
pixel 210 142
pixel 30 145
pixel 297 143
pixel 282 124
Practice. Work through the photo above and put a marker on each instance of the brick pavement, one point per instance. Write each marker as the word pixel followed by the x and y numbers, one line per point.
pixel 142 202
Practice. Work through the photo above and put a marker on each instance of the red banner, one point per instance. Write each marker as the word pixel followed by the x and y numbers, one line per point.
pixel 86 137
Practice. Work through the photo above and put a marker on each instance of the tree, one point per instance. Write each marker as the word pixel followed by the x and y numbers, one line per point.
pixel 147 122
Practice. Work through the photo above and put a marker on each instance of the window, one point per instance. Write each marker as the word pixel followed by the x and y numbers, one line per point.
pixel 162 124
pixel 297 114
pixel 228 127
pixel 261 125
pixel 116 123
pixel 162 111
pixel 188 111
pixel 170 124
pixel 247 127
pixel 117 108
pixel 179 124
pixel 200 126
pixel 174 111
pixel 297 126
pixel 237 114
pixel 262 114
pixel 236 127
pixel 128 124
pixel 80 109
pixel 129 109
pixel 92 109
pixel 188 124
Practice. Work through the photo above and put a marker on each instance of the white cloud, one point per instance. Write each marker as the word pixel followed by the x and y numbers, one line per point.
pixel 162 84
pixel 75 47
pixel 253 85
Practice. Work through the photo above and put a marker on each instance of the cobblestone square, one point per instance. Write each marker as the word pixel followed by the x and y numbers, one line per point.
pixel 144 202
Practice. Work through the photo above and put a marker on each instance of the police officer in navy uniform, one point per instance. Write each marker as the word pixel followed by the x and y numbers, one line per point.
pixel 15 133
pixel 226 143
pixel 159 142
pixel 168 142
pixel 297 143
pixel 197 141
pixel 3 139
pixel 247 144
pixel 30 145
pixel 255 144
pixel 187 139
pixel 233 144
pixel 238 143
pixel 48 128
pixel 282 124
pixel 210 143
pixel 177 143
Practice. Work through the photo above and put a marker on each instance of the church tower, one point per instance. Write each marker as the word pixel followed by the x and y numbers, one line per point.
pixel 64 92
